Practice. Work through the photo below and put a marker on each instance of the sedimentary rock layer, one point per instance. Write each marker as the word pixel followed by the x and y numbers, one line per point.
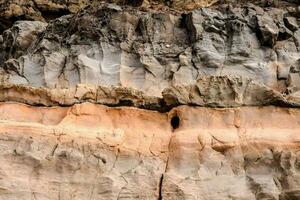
pixel 153 50
pixel 149 99
pixel 209 91
pixel 90 151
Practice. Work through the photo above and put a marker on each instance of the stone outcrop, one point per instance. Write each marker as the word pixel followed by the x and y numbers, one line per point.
pixel 45 10
pixel 209 91
pixel 110 96
pixel 149 99
pixel 121 46
pixel 245 153
pixel 90 151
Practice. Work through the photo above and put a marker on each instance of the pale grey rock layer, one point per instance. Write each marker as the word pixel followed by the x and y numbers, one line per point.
pixel 150 51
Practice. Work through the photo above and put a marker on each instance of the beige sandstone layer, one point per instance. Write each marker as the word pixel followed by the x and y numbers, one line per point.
pixel 90 151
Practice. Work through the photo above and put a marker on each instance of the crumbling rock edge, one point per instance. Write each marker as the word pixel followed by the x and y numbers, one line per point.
pixel 209 91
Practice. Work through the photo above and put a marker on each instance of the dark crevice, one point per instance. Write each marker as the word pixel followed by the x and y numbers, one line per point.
pixel 139 28
pixel 7 23
pixel 135 3
pixel 160 187
pixel 187 23
pixel 51 15
pixel 4 25
pixel 126 102
pixel 175 122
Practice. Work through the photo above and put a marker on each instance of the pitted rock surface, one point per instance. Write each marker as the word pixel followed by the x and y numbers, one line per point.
pixel 150 51
pixel 149 99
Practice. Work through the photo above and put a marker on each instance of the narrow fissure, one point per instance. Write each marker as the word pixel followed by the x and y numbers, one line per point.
pixel 175 123
pixel 160 187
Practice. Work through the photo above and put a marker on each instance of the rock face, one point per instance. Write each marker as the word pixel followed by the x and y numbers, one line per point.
pixel 90 151
pixel 149 51
pixel 149 99
pixel 45 10
pixel 246 153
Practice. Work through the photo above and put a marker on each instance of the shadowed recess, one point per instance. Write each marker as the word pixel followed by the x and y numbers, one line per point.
pixel 175 122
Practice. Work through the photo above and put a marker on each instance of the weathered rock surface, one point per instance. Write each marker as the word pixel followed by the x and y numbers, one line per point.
pixel 90 151
pixel 81 152
pixel 209 91
pixel 150 51
pixel 111 96
pixel 246 153
pixel 224 91
pixel 149 99
pixel 44 10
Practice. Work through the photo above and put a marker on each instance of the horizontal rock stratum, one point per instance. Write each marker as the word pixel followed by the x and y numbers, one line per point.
pixel 149 99
pixel 90 151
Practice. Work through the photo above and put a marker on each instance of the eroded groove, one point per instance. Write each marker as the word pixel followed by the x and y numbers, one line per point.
pixel 160 187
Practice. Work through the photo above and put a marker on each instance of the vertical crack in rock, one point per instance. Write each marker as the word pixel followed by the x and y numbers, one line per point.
pixel 160 197
pixel 174 120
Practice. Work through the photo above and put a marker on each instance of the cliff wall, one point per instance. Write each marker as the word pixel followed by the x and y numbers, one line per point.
pixel 195 100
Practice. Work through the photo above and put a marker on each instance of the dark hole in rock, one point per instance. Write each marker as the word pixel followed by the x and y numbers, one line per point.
pixel 126 102
pixel 175 122
pixel 135 3
pixel 103 160
pixel 51 15
pixel 7 23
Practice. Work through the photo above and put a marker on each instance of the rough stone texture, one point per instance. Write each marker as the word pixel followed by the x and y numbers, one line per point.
pixel 246 153
pixel 142 100
pixel 111 96
pixel 82 152
pixel 149 51
pixel 214 91
pixel 90 151
pixel 19 38
pixel 209 91
pixel 45 10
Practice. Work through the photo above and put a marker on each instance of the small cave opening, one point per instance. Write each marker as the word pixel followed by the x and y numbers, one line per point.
pixel 175 122
pixel 134 3
pixel 49 15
